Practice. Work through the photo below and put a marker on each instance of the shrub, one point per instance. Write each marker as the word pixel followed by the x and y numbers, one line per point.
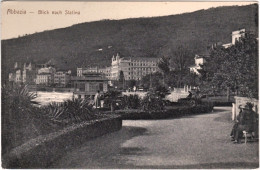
pixel 70 111
pixel 20 119
pixel 110 99
pixel 152 102
pixel 131 102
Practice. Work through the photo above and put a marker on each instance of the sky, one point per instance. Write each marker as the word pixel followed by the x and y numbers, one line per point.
pixel 14 25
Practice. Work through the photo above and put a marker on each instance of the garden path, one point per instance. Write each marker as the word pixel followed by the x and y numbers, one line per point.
pixel 200 141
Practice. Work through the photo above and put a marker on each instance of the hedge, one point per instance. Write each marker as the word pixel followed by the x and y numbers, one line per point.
pixel 43 150
pixel 167 113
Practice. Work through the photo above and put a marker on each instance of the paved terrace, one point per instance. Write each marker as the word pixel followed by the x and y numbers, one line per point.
pixel 200 141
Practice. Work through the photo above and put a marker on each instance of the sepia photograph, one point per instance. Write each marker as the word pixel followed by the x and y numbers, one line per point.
pixel 129 85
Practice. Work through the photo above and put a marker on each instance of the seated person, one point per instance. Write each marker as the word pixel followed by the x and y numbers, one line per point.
pixel 245 121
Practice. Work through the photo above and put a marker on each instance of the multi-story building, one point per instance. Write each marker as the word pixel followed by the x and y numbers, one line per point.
pixel 29 73
pixel 236 36
pixel 62 78
pixel 200 59
pixel 106 71
pixel 85 70
pixel 44 79
pixel 11 77
pixel 132 67
pixel 45 76
pixel 18 76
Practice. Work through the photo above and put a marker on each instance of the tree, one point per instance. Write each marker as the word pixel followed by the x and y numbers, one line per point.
pixel 110 98
pixel 131 83
pixel 122 79
pixel 164 66
pixel 234 68
pixel 121 76
pixel 154 79
pixel 179 63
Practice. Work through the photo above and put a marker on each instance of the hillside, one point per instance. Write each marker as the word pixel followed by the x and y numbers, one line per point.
pixel 150 37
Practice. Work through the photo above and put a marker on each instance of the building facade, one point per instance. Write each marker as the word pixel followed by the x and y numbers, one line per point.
pixel 18 76
pixel 199 60
pixel 44 79
pixel 85 70
pixel 45 76
pixel 29 73
pixel 236 36
pixel 62 78
pixel 133 67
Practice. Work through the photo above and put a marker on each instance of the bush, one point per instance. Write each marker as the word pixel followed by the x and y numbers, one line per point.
pixel 152 102
pixel 131 102
pixel 75 110
pixel 20 119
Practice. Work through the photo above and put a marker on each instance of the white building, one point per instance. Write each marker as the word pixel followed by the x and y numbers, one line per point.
pixel 62 78
pixel 133 67
pixel 199 60
pixel 85 70
pixel 18 76
pixel 236 36
pixel 44 79
pixel 45 76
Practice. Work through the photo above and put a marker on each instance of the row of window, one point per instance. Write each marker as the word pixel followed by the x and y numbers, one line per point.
pixel 141 64
pixel 59 81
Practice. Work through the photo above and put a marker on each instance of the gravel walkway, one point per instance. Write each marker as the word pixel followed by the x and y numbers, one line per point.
pixel 200 141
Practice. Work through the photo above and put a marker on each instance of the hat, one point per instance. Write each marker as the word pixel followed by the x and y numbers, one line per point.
pixel 248 106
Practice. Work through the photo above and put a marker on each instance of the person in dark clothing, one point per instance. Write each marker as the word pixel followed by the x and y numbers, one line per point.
pixel 245 121
pixel 232 134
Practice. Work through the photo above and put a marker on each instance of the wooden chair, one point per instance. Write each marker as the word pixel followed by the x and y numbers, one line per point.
pixel 248 134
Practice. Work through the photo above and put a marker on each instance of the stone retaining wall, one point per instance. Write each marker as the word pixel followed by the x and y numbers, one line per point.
pixel 43 150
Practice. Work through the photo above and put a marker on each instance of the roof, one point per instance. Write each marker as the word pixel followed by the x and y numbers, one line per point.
pixel 142 58
pixel 193 66
pixel 97 78
pixel 197 56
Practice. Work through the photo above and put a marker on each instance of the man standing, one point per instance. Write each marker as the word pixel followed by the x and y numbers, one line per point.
pixel 97 99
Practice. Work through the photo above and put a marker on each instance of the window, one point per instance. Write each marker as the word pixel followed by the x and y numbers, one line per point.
pixel 81 86
pixel 101 87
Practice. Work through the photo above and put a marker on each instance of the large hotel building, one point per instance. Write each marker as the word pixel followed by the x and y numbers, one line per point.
pixel 132 67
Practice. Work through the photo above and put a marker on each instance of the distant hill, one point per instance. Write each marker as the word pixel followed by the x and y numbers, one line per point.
pixel 94 43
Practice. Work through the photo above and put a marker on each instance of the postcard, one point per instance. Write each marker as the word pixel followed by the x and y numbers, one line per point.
pixel 95 85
